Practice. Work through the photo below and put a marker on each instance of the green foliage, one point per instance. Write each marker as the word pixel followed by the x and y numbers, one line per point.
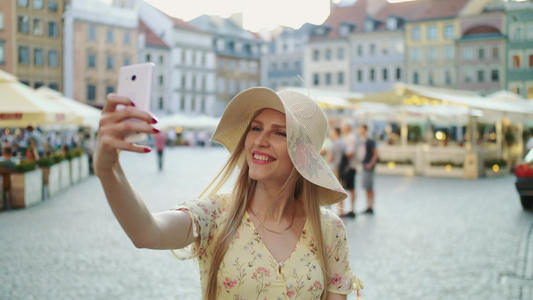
pixel 58 158
pixel 46 161
pixel 397 162
pixel 76 152
pixel 445 163
pixel 25 166
pixel 491 162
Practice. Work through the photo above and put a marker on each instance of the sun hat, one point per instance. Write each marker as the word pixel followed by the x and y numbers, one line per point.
pixel 306 125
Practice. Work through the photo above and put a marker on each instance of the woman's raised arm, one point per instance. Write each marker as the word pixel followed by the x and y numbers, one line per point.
pixel 166 230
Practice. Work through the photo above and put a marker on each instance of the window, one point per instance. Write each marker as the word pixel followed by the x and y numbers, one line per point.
pixel 369 25
pixel 297 65
pixel 480 76
pixel 24 55
pixel 468 75
pixel 92 34
pixel 316 55
pixel 91 92
pixel 384 49
pixel 359 75
pixel 340 53
pixel 468 53
pixel 448 31
pixel 127 38
pixel 415 78
pixel 449 52
pixel 38 4
pixel 385 74
pixel 530 61
pixel 274 66
pixel 529 33
pixel 481 53
pixel 109 36
pixel 109 89
pixel 52 29
pixel 515 89
pixel 328 54
pixel 221 85
pixel 432 53
pixel 372 74
pixel 495 75
pixel 53 59
pixel 182 103
pixel 372 49
pixel 54 86
pixel 183 82
pixel 38 29
pixel 285 65
pixel 432 32
pixel 91 61
pixel 316 79
pixel 517 61
pixel 161 59
pixel 448 77
pixel 110 63
pixel 23 24
pixel 516 32
pixel 148 57
pixel 23 3
pixel 431 78
pixel 1 20
pixel 2 53
pixel 38 57
pixel 38 84
pixel 127 61
pixel 52 5
pixel 530 92
pixel 392 23
pixel 495 52
pixel 160 79
pixel 415 34
pixel 161 103
pixel 328 78
pixel 415 54
pixel 193 104
pixel 340 78
pixel 398 74
pixel 360 50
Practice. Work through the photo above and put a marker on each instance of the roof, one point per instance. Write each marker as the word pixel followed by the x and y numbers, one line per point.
pixel 221 26
pixel 438 9
pixel 405 10
pixel 481 29
pixel 150 37
pixel 355 13
pixel 182 24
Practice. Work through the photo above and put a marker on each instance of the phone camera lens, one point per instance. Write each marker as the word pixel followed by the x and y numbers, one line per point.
pixel 133 77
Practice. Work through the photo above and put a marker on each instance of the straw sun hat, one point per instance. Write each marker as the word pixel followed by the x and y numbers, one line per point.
pixel 306 130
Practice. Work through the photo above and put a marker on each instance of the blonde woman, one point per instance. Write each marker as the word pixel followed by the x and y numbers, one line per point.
pixel 269 238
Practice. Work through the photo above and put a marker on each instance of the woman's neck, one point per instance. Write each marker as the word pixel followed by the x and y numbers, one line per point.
pixel 267 198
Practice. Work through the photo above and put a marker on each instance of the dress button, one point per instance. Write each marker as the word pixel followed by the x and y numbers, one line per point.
pixel 281 264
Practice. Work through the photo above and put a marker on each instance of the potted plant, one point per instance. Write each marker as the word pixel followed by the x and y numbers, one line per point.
pixel 26 185
pixel 395 167
pixel 496 167
pixel 64 170
pixel 73 156
pixel 51 174
pixel 445 169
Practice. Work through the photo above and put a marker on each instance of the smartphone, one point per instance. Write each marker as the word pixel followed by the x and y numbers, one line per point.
pixel 135 82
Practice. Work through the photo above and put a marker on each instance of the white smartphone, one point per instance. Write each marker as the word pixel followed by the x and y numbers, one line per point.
pixel 135 82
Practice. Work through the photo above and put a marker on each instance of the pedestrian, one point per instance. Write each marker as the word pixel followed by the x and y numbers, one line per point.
pixel 335 151
pixel 268 238
pixel 35 139
pixel 159 143
pixel 370 158
pixel 349 169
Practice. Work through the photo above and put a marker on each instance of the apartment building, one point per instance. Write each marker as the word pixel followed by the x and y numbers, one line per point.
pixel 99 38
pixel 31 34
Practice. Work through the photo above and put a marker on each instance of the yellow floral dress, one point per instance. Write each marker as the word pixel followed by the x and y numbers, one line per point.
pixel 249 271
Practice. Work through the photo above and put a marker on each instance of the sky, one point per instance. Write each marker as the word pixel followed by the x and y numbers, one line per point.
pixel 257 14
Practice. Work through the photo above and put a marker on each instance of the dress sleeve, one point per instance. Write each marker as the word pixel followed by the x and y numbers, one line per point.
pixel 205 215
pixel 342 280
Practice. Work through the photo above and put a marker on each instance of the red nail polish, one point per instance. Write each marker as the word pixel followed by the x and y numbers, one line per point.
pixel 146 150
pixel 154 121
pixel 132 103
pixel 156 130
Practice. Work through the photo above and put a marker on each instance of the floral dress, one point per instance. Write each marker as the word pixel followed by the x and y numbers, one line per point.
pixel 249 271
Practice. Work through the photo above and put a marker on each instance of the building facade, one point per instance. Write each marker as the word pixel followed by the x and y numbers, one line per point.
pixel 481 53
pixel 31 34
pixel 99 39
pixel 238 54
pixel 285 61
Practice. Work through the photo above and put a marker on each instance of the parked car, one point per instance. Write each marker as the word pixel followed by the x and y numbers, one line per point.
pixel 524 180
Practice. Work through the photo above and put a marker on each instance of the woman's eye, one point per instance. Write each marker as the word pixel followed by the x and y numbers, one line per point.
pixel 281 133
pixel 256 129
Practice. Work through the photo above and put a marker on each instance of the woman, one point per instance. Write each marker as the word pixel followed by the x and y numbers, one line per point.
pixel 268 239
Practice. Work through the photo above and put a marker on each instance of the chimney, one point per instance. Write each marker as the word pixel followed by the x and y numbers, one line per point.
pixel 237 19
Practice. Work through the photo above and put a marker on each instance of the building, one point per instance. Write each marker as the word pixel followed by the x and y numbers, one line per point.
pixel 481 52
pixel 238 54
pixel 153 49
pixel 99 38
pixel 191 64
pixel 378 50
pixel 328 53
pixel 285 61
pixel 519 56
pixel 31 34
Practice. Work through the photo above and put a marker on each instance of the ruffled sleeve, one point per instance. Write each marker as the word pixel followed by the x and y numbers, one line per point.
pixel 342 280
pixel 206 215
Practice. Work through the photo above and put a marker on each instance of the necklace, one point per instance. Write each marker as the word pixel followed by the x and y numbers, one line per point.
pixel 276 232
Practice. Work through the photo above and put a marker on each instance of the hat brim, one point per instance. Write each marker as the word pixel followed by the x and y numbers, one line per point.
pixel 304 155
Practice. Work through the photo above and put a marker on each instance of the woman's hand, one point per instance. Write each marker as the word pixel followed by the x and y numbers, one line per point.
pixel 113 128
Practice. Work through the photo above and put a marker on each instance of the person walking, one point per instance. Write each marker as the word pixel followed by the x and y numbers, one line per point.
pixel 349 169
pixel 370 158
pixel 335 151
pixel 266 239
pixel 160 143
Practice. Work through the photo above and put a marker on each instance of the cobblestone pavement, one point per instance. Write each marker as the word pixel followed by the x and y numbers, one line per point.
pixel 429 239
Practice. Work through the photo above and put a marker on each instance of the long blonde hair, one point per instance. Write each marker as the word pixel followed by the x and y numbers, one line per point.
pixel 242 195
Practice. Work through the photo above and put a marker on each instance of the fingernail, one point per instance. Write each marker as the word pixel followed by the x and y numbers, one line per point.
pixel 156 130
pixel 146 150
pixel 154 121
pixel 132 103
